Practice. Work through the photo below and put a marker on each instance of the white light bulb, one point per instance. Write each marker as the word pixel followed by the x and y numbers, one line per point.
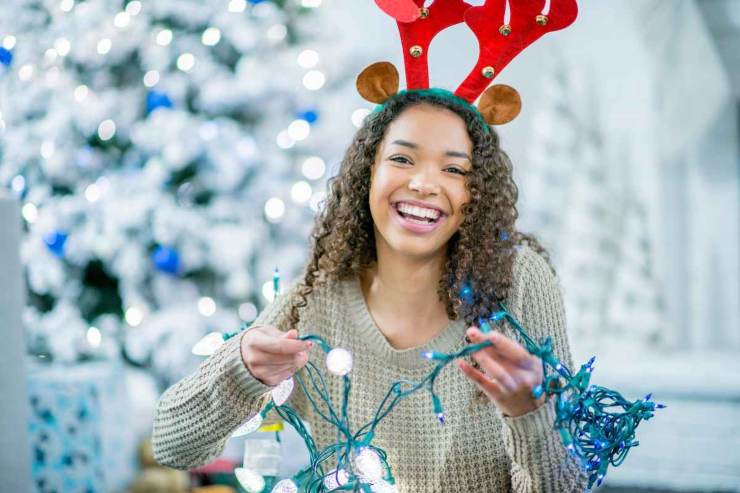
pixel 92 192
pixel 106 129
pixel 134 316
pixel 66 5
pixel 299 129
pixel 274 209
pixel 284 140
pixel 237 6
pixel 104 46
pixel 368 465
pixel 47 149
pixel 335 479
pixel 186 62
pixel 252 481
pixel 18 183
pixel 121 20
pixel 311 4
pixel 277 33
pixel 283 390
pixel 94 336
pixel 81 92
pixel 164 37
pixel 250 426
pixel 313 168
pixel 358 116
pixel 314 80
pixel 151 78
pixel 30 212
pixel 308 58
pixel 208 344
pixel 62 45
pixel 133 8
pixel 339 361
pixel 9 42
pixel 285 486
pixel 206 306
pixel 267 291
pixel 301 192
pixel 25 72
pixel 211 36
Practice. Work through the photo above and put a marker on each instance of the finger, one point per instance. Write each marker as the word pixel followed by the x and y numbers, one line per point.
pixel 262 358
pixel 495 370
pixel 505 347
pixel 282 345
pixel 490 387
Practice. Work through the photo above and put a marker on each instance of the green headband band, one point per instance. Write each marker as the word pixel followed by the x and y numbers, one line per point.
pixel 441 94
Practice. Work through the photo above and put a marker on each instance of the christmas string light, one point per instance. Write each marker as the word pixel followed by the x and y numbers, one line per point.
pixel 596 424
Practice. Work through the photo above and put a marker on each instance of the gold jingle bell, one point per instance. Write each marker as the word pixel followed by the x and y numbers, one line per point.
pixel 488 72
pixel 416 51
pixel 423 13
pixel 541 20
pixel 505 29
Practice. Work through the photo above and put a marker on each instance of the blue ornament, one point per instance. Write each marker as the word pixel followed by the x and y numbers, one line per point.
pixel 255 2
pixel 6 56
pixel 503 235
pixel 308 114
pixel 55 242
pixel 157 99
pixel 166 259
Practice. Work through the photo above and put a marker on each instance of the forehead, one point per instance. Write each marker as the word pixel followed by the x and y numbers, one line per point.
pixel 431 128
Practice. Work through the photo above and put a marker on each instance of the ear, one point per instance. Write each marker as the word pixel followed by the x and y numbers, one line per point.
pixel 378 82
pixel 500 104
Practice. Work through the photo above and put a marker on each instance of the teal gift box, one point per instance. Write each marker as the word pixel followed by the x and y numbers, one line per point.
pixel 79 428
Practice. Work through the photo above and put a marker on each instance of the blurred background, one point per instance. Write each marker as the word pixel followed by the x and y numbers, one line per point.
pixel 159 158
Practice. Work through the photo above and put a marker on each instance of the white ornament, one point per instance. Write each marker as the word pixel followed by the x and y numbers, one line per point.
pixel 339 361
pixel 281 393
pixel 285 486
pixel 368 465
pixel 249 427
pixel 335 479
pixel 208 344
pixel 250 480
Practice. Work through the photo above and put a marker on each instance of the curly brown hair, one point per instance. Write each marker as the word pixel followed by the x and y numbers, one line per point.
pixel 480 255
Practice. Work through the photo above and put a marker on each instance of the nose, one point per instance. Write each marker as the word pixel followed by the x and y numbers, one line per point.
pixel 421 182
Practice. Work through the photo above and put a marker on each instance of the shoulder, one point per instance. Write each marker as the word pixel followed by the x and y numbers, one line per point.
pixel 531 268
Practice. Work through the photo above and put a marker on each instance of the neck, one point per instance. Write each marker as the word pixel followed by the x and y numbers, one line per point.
pixel 401 293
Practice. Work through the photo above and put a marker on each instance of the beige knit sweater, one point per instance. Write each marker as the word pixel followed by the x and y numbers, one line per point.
pixel 477 450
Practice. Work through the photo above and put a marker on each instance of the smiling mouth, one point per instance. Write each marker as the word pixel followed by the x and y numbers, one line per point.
pixel 417 219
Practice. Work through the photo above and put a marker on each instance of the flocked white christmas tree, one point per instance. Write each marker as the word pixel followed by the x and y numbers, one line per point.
pixel 168 155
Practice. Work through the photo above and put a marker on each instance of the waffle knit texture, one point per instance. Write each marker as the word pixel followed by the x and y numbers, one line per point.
pixel 479 449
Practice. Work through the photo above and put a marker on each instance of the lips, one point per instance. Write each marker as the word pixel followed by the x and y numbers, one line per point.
pixel 416 226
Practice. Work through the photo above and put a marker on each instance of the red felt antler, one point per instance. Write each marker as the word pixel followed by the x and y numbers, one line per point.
pixel 416 36
pixel 500 42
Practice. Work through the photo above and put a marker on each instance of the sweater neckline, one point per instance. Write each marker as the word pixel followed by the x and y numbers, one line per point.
pixel 450 339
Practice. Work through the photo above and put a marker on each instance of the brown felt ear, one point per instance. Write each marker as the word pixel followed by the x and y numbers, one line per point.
pixel 378 82
pixel 500 104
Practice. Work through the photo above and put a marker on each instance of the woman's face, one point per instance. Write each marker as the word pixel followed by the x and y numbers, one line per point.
pixel 418 182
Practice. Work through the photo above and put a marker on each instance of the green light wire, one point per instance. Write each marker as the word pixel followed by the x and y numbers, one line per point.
pixel 596 425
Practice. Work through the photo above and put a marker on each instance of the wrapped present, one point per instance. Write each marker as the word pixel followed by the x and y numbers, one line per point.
pixel 79 430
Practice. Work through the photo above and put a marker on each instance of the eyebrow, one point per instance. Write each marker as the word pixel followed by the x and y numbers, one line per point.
pixel 411 145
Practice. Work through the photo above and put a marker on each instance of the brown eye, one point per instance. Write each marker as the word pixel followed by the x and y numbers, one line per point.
pixel 400 159
pixel 458 170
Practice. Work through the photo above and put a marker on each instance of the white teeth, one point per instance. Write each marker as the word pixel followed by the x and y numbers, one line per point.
pixel 418 211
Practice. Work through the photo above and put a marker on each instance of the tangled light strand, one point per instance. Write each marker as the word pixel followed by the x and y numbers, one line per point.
pixel 596 425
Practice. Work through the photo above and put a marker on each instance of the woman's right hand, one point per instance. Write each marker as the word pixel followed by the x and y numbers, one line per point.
pixel 272 355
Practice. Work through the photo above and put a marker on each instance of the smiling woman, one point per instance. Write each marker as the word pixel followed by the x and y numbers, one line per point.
pixel 423 210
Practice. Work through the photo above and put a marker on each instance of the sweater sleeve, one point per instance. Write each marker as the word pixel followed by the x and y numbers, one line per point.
pixel 196 416
pixel 539 461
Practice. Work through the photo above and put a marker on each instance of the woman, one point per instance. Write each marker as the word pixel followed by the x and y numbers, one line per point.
pixel 423 205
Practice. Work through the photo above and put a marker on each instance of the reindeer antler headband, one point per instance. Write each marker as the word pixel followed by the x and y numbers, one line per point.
pixel 504 28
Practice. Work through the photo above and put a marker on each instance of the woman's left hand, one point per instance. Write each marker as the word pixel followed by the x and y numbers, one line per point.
pixel 509 373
